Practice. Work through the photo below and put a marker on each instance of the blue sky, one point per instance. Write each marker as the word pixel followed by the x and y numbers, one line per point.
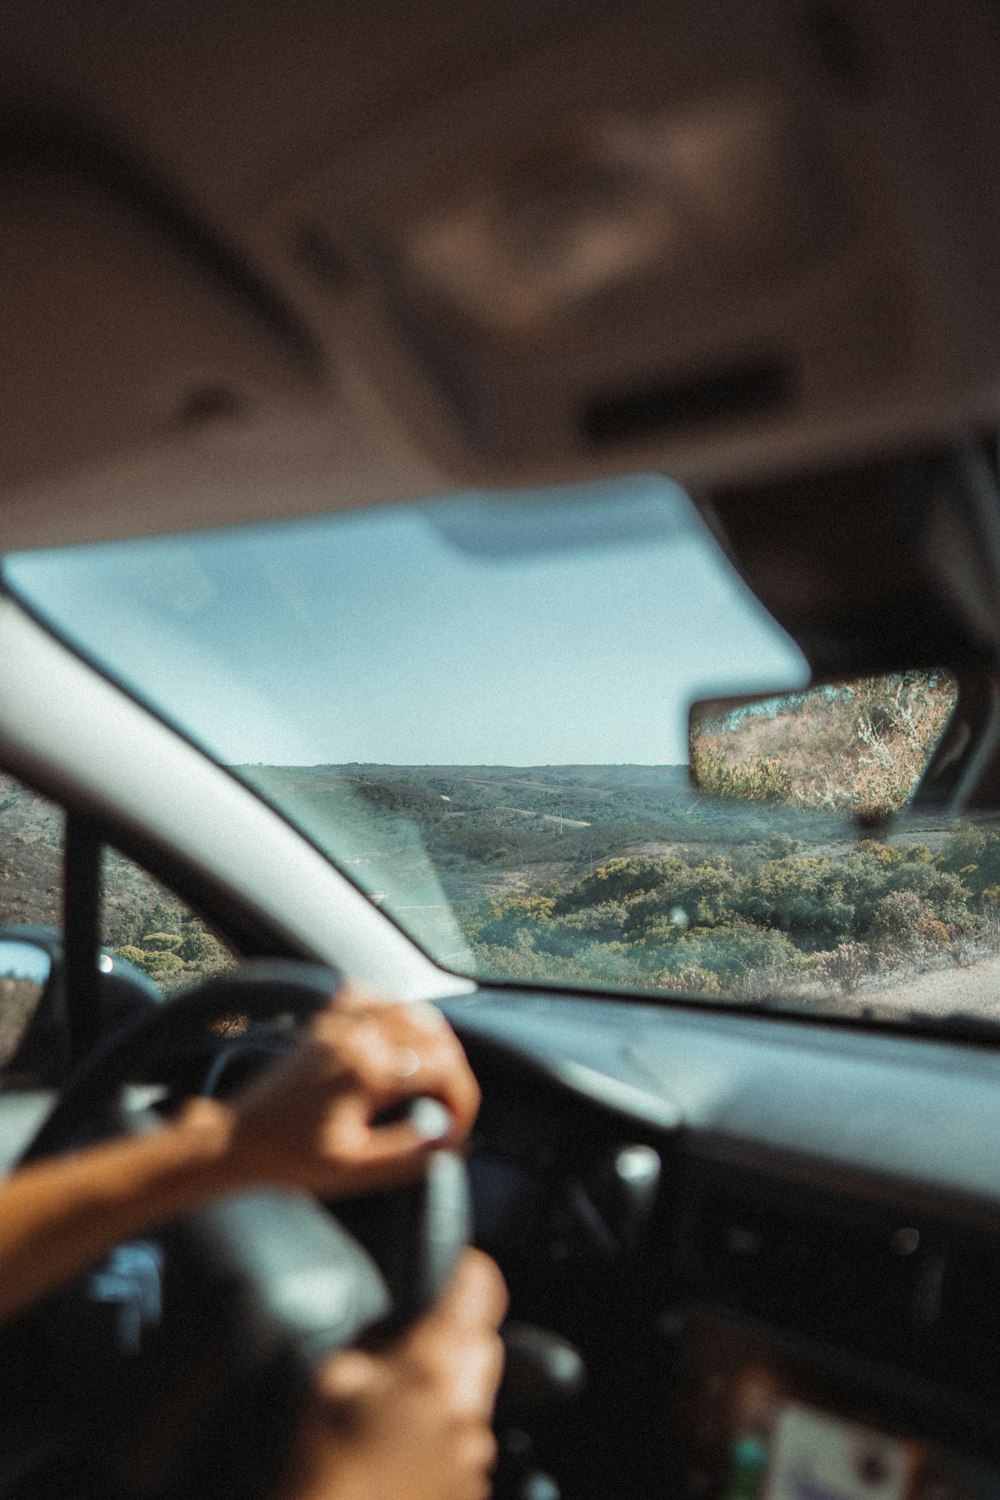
pixel 568 627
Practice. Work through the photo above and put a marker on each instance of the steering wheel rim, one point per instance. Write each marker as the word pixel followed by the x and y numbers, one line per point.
pixel 260 991
pixel 263 1244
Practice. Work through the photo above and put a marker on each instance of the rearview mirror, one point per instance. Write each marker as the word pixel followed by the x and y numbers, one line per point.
pixel 859 747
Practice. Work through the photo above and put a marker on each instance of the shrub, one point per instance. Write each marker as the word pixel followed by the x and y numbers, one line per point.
pixel 844 966
pixel 155 942
pixel 164 962
pixel 750 921
pixel 699 895
pixel 617 880
pixel 508 916
pixel 897 917
pixel 604 922
pixel 198 946
pixel 935 934
pixel 688 979
pixel 762 778
pixel 154 963
pixel 974 855
pixel 732 952
pixel 520 962
pixel 132 954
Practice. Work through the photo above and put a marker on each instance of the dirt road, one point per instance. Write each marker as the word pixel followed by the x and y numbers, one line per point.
pixel 973 989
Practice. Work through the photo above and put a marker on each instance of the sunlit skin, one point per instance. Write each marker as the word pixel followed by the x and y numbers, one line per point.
pixel 410 1421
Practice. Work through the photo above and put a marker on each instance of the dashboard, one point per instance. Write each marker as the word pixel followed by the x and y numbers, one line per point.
pixel 776 1245
pixel 773 1245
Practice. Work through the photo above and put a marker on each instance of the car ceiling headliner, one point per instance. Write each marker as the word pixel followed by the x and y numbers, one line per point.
pixel 235 108
pixel 300 81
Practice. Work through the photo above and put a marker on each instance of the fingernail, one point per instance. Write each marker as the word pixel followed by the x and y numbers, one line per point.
pixel 430 1119
pixel 407 1063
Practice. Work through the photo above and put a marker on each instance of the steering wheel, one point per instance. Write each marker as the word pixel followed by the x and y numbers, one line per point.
pixel 221 1317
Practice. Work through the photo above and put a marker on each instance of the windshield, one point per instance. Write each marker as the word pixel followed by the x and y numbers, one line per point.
pixel 478 709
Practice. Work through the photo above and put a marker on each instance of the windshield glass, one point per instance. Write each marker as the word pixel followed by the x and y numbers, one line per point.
pixel 478 708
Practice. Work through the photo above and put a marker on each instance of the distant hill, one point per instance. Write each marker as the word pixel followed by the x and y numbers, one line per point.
pixel 477 824
pixel 617 875
pixel 598 775
pixel 578 792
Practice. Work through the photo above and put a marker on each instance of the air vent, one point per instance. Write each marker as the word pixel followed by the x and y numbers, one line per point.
pixel 664 408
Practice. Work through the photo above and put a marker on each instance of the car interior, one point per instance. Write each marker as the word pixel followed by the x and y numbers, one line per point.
pixel 286 272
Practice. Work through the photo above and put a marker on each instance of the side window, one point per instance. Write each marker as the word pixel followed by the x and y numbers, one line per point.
pixel 141 921
pixel 145 923
pixel 31 853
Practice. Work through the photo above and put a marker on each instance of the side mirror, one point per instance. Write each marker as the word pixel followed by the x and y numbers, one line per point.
pixel 860 747
pixel 33 1003
pixel 25 971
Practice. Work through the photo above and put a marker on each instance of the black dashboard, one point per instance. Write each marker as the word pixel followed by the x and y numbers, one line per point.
pixel 776 1245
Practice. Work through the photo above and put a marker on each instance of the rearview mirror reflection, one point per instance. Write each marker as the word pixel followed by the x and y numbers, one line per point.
pixel 859 747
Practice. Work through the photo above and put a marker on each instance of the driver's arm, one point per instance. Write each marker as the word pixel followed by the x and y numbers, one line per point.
pixel 411 1422
pixel 308 1123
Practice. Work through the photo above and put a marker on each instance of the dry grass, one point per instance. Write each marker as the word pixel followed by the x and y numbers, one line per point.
pixel 861 746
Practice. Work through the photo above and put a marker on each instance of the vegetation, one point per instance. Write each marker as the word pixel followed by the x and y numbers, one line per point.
pixel 620 876
pixel 626 876
pixel 859 746
pixel 143 922
pixel 751 925
pixel 149 927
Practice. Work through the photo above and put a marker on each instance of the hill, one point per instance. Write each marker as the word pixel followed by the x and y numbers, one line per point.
pixel 611 791
pixel 141 920
pixel 627 877
pixel 617 875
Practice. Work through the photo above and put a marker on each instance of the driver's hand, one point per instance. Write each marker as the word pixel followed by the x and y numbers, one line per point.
pixel 310 1121
pixel 411 1422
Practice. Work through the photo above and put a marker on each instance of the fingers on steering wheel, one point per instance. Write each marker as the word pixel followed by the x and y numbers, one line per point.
pixel 476 1296
pixel 460 1333
pixel 395 1052
pixel 384 1156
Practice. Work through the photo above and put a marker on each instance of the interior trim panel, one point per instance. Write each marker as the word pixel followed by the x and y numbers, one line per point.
pixel 756 1232
pixel 844 1105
